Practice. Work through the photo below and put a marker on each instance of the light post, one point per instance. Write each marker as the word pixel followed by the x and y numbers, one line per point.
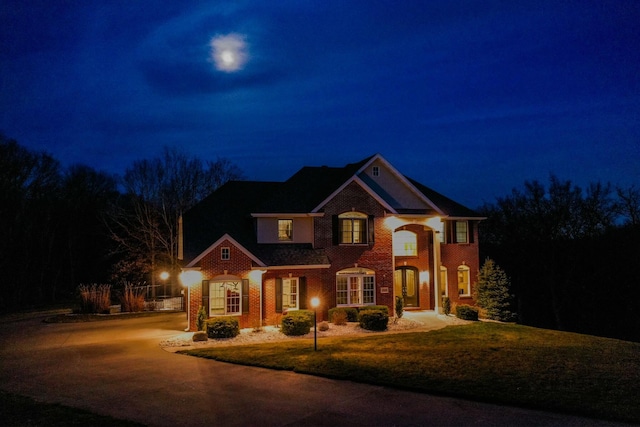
pixel 315 302
pixel 164 276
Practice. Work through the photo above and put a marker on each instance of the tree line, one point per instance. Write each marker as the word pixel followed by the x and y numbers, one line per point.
pixel 571 255
pixel 62 227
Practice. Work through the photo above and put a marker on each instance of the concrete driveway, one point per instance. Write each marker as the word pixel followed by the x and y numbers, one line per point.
pixel 117 368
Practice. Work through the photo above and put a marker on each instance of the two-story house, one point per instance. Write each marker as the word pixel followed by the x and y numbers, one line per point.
pixel 356 235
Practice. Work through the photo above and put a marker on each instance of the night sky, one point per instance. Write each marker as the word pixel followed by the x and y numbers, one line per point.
pixel 471 98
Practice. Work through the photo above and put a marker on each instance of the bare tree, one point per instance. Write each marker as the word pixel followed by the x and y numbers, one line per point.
pixel 628 205
pixel 158 191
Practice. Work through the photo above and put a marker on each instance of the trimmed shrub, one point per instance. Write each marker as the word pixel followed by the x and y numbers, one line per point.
pixel 374 320
pixel 382 308
pixel 323 326
pixel 201 318
pixel 446 305
pixel 351 312
pixel 339 317
pixel 199 336
pixel 296 323
pixel 466 312
pixel 399 307
pixel 223 327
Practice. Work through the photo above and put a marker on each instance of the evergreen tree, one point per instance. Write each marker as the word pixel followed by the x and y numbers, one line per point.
pixel 492 292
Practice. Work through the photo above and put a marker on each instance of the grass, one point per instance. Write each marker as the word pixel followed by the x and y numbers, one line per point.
pixel 492 362
pixel 18 410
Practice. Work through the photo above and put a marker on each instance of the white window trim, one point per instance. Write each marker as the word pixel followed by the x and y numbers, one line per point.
pixel 464 268
pixel 359 275
pixel 287 282
pixel 237 286
pixel 225 250
pixel 444 281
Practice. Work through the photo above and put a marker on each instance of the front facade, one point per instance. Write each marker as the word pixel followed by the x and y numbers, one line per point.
pixel 352 236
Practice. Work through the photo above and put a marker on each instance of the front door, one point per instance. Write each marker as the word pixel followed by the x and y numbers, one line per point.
pixel 405 282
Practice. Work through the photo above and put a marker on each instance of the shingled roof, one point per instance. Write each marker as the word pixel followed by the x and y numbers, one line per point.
pixel 228 210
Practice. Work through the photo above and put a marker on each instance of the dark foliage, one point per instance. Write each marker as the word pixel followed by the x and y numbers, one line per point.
pixel 296 323
pixel 223 327
pixel 466 312
pixel 374 320
pixel 570 255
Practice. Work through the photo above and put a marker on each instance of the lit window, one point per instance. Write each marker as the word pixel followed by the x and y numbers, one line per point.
pixel 225 253
pixel 225 298
pixel 464 281
pixel 444 282
pixel 290 294
pixel 353 228
pixel 355 287
pixel 285 229
pixel 462 234
pixel 376 171
pixel 405 243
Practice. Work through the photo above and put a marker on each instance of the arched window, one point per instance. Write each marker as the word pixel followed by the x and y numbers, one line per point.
pixel 355 286
pixel 464 281
pixel 405 243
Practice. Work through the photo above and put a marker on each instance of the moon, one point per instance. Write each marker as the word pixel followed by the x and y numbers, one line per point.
pixel 229 53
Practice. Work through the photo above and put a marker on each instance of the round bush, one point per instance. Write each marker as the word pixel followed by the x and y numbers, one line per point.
pixel 323 326
pixel 295 324
pixel 466 312
pixel 374 320
pixel 223 327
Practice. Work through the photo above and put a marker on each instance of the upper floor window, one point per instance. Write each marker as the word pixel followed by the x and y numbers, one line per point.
pixel 464 281
pixel 225 254
pixel 462 232
pixel 405 243
pixel 376 171
pixel 285 230
pixel 352 228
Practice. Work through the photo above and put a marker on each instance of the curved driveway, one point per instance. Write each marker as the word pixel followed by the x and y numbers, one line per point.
pixel 117 368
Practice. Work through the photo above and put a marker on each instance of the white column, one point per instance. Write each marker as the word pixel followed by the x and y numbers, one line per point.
pixel 437 307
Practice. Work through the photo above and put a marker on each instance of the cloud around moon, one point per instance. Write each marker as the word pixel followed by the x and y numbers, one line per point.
pixel 229 53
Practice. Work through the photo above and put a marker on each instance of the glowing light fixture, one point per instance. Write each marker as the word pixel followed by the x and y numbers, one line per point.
pixel 190 277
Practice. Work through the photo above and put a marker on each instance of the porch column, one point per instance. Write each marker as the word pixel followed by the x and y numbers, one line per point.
pixel 437 307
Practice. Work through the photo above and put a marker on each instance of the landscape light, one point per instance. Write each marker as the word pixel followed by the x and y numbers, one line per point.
pixel 315 302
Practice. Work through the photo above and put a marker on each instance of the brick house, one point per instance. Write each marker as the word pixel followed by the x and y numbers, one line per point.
pixel 356 235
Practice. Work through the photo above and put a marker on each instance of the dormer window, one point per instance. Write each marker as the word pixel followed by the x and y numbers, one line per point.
pixel 285 230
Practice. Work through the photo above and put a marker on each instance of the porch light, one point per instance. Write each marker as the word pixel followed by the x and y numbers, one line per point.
pixel 315 302
pixel 164 275
pixel 190 277
pixel 424 277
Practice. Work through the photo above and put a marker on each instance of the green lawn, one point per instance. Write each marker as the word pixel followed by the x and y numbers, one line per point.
pixel 493 362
